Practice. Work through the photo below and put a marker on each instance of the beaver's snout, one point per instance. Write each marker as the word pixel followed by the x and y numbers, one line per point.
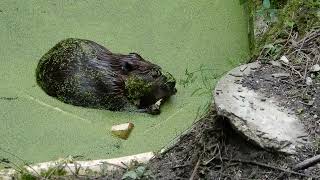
pixel 170 87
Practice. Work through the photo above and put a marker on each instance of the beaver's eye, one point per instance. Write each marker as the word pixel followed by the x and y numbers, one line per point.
pixel 156 74
pixel 127 67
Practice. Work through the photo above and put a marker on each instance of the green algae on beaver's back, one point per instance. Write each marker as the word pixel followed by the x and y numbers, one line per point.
pixel 84 73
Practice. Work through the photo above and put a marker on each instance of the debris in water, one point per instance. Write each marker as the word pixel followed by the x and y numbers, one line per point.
pixel 122 130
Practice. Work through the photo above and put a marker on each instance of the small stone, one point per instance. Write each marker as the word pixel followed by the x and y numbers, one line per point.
pixel 315 116
pixel 310 103
pixel 284 59
pixel 308 81
pixel 275 63
pixel 263 99
pixel 312 75
pixel 261 109
pixel 277 75
pixel 300 111
pixel 315 68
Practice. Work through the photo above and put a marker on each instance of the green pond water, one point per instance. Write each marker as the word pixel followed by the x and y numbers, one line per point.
pixel 206 37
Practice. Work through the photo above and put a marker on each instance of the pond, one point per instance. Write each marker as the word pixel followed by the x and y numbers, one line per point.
pixel 196 41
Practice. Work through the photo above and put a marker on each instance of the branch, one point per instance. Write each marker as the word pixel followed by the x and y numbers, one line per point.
pixel 267 166
pixel 307 163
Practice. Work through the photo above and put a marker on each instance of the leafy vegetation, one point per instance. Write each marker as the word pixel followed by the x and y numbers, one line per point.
pixel 281 17
pixel 137 171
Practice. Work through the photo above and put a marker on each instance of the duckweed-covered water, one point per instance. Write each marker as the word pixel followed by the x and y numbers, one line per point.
pixel 195 40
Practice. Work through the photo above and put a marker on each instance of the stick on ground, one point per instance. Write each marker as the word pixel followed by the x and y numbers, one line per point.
pixel 307 163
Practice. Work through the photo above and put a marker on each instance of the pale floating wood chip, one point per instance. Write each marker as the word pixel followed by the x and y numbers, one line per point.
pixel 122 130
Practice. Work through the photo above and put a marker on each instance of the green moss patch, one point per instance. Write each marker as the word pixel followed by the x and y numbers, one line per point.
pixel 136 88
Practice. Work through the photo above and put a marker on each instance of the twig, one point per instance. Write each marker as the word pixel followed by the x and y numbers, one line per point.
pixel 195 169
pixel 116 165
pixel 73 173
pixel 306 68
pixel 292 68
pixel 8 98
pixel 267 166
pixel 307 163
pixel 58 167
pixel 214 155
pixel 180 166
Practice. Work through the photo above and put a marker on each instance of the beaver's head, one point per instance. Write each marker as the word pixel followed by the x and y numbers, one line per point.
pixel 145 83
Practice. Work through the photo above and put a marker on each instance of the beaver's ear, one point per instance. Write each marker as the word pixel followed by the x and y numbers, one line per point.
pixel 127 67
pixel 135 56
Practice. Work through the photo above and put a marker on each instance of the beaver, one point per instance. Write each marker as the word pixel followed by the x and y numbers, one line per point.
pixel 84 73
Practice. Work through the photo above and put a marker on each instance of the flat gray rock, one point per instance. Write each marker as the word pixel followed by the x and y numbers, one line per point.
pixel 257 117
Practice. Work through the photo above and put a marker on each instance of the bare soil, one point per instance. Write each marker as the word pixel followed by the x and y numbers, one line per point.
pixel 213 150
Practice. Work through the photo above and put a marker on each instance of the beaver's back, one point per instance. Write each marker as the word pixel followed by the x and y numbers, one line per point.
pixel 74 72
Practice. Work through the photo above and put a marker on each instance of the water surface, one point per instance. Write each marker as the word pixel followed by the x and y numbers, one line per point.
pixel 207 37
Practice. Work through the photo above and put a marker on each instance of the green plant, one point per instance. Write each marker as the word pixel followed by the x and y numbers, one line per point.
pixel 54 171
pixel 268 12
pixel 137 171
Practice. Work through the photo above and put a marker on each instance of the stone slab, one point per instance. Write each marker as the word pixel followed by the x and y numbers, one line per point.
pixel 259 118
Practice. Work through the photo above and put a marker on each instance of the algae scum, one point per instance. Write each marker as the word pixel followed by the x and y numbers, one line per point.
pixel 194 40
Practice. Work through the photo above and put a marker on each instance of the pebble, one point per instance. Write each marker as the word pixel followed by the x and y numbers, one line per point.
pixel 309 81
pixel 315 68
pixel 284 59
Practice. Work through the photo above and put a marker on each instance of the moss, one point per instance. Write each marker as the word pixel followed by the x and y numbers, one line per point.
pixel 136 88
pixel 69 49
pixel 27 176
pixel 299 15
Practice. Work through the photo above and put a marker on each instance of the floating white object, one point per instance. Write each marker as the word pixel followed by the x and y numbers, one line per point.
pixel 122 130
